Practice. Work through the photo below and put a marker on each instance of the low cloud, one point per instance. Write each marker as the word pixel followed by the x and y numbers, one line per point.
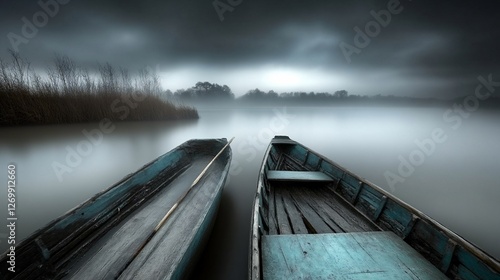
pixel 428 49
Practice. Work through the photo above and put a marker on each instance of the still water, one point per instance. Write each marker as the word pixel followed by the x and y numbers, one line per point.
pixel 455 180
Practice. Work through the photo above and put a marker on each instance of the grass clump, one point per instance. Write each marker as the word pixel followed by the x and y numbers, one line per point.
pixel 66 93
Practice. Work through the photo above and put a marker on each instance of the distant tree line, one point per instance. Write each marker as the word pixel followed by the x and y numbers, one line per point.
pixel 204 91
pixel 259 95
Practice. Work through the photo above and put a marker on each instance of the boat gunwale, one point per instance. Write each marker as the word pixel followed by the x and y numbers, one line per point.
pixel 255 242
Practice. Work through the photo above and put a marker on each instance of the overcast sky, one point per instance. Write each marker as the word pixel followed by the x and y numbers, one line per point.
pixel 426 48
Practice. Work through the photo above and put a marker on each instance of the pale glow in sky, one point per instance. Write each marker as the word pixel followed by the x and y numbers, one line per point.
pixel 290 79
pixel 284 77
pixel 241 80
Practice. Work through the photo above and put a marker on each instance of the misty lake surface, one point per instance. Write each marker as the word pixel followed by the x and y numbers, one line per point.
pixel 457 183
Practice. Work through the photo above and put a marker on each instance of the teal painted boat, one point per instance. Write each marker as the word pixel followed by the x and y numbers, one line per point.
pixel 124 232
pixel 313 219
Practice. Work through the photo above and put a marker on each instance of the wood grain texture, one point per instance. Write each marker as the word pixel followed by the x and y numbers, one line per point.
pixel 168 253
pixel 367 255
pixel 314 176
pixel 284 226
pixel 118 246
pixel 313 209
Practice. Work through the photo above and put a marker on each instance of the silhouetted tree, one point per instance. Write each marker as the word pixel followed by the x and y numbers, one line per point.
pixel 272 94
pixel 340 94
pixel 259 95
pixel 206 91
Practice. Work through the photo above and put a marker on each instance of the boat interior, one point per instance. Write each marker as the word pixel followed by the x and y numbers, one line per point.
pixel 307 202
pixel 302 200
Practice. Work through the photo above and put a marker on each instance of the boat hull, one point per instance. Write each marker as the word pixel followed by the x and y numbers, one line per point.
pixel 111 234
pixel 288 166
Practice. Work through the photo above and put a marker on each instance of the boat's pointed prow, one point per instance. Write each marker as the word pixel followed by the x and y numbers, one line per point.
pixel 282 139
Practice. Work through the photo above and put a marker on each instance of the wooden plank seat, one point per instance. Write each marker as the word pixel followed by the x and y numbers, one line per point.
pixel 360 255
pixel 311 176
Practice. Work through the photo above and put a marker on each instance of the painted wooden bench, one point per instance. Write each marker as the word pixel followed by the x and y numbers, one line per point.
pixel 312 176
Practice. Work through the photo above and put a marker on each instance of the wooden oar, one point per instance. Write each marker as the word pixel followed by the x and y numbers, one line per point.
pixel 160 224
pixel 164 219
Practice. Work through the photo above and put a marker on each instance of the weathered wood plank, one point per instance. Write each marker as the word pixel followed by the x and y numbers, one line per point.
pixel 332 170
pixel 294 215
pixel 176 241
pixel 473 265
pixel 368 255
pixel 298 152
pixel 291 163
pixel 342 211
pixel 394 218
pixel 448 256
pixel 263 221
pixel 312 161
pixel 115 250
pixel 380 207
pixel 409 227
pixel 303 176
pixel 281 215
pixel 273 224
pixel 312 219
pixel 334 220
pixel 357 191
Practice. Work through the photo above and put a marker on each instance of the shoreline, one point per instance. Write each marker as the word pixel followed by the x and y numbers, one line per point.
pixel 26 109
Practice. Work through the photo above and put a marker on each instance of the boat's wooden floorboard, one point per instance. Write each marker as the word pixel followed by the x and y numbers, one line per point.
pixel 361 255
pixel 114 250
pixel 301 209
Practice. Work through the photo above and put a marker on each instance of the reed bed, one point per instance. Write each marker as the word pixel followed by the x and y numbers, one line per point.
pixel 66 93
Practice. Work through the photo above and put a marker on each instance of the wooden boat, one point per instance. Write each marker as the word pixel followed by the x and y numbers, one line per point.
pixel 112 235
pixel 313 219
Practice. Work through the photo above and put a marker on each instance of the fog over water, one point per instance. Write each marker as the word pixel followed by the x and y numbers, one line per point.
pixel 457 182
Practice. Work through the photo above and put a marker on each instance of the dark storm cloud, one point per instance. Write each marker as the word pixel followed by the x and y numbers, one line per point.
pixel 442 42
